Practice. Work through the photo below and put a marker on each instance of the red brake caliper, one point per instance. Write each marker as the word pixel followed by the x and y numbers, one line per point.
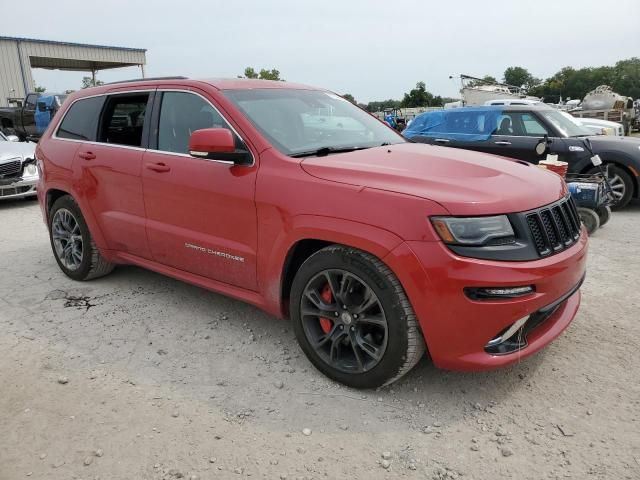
pixel 325 323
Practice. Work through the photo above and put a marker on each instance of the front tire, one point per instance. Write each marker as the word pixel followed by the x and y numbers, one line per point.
pixel 352 318
pixel 621 184
pixel 72 244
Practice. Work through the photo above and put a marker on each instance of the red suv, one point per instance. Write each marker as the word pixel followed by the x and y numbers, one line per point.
pixel 293 199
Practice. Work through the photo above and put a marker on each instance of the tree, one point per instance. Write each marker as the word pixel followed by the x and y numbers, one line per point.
pixel 249 72
pixel 381 105
pixel 264 74
pixel 625 78
pixel 39 89
pixel 519 77
pixel 88 82
pixel 417 97
pixel 572 83
pixel 487 79
pixel 348 96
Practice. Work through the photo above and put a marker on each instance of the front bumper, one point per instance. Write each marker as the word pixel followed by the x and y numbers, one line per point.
pixel 20 187
pixel 457 329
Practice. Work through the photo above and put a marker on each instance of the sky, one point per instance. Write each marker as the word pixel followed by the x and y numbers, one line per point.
pixel 372 49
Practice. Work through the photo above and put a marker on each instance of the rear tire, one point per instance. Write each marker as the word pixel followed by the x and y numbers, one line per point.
pixel 590 219
pixel 372 342
pixel 72 244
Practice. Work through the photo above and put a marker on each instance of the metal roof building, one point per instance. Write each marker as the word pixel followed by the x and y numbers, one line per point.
pixel 19 55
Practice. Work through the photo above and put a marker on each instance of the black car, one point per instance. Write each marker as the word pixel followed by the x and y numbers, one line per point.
pixel 515 131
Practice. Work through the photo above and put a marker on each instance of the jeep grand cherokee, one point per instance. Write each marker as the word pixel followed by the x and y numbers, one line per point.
pixel 295 200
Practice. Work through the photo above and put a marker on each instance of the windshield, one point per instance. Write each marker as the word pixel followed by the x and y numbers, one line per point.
pixel 567 127
pixel 2 137
pixel 305 121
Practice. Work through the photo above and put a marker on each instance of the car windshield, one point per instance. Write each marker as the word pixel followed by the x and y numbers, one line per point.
pixel 305 122
pixel 566 126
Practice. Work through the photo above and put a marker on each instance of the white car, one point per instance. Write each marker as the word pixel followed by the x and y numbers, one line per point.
pixel 597 126
pixel 18 170
pixel 513 101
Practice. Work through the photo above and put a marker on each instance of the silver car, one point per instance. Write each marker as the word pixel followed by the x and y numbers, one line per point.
pixel 18 170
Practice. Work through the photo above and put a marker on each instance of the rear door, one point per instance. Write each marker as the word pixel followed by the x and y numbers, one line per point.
pixel 469 129
pixel 201 213
pixel 110 171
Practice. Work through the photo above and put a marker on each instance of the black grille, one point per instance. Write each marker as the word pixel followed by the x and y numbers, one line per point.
pixel 10 169
pixel 554 227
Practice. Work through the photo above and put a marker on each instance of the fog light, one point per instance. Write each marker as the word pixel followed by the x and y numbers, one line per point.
pixel 487 293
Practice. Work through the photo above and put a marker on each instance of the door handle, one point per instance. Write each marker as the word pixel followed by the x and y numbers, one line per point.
pixel 502 142
pixel 87 155
pixel 441 140
pixel 157 167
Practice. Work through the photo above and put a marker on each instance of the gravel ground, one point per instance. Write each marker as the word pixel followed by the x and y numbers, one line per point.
pixel 137 376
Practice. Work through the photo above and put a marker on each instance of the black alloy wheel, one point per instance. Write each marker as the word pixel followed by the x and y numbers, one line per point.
pixel 344 321
pixel 353 319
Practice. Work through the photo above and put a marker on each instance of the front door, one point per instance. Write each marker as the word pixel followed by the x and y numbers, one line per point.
pixel 201 214
pixel 517 135
pixel 28 114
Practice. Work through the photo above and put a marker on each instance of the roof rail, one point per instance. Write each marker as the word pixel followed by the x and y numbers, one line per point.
pixel 146 79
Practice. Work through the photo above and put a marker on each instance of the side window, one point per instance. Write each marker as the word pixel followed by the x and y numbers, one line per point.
pixel 30 101
pixel 81 120
pixel 532 126
pixel 505 125
pixel 123 119
pixel 181 114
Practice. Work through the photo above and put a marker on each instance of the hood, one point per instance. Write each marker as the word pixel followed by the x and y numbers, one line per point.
pixel 608 143
pixel 23 150
pixel 462 181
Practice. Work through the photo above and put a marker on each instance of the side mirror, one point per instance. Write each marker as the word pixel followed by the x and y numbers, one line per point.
pixel 217 144
pixel 543 146
pixel 13 138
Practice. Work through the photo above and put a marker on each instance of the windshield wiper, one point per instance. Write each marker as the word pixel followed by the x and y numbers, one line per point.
pixel 324 151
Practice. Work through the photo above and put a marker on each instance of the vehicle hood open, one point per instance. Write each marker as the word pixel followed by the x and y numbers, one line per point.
pixel 463 182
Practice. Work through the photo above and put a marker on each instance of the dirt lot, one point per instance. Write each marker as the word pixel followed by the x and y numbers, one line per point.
pixel 137 376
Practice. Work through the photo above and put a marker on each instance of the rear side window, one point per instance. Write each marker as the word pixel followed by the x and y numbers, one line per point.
pixel 181 114
pixel 81 120
pixel 123 119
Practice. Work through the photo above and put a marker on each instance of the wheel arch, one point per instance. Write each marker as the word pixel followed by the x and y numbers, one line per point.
pixel 311 234
pixel 51 196
pixel 6 122
pixel 55 192
pixel 621 162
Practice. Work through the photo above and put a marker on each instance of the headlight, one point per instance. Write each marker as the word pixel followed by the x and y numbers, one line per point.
pixel 31 170
pixel 474 231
